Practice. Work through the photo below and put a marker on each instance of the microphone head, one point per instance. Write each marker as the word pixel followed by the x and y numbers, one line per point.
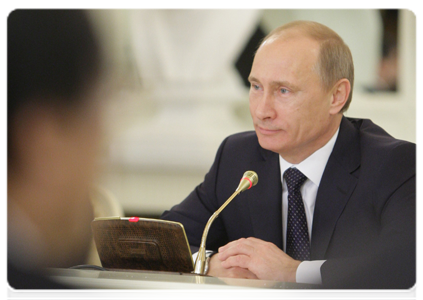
pixel 248 180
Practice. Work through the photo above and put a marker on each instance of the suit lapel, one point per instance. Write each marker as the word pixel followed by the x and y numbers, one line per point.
pixel 338 182
pixel 265 199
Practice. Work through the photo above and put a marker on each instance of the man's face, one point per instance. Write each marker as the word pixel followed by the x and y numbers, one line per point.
pixel 290 109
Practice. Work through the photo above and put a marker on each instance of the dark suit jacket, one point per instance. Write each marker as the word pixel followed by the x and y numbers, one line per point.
pixel 364 218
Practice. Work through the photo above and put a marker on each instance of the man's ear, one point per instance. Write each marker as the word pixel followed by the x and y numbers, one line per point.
pixel 340 92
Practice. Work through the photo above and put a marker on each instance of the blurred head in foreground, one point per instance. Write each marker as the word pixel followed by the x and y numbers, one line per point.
pixel 54 69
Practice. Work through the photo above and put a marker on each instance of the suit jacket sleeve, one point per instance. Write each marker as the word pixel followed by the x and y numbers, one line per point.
pixel 196 209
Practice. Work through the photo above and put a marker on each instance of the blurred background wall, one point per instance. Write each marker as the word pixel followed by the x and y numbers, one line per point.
pixel 179 88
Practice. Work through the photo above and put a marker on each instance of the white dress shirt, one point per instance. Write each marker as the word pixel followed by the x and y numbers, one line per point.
pixel 312 167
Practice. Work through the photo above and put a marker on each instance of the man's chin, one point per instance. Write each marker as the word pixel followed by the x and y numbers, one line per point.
pixel 267 144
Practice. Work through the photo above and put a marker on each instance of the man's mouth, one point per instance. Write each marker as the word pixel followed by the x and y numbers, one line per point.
pixel 266 131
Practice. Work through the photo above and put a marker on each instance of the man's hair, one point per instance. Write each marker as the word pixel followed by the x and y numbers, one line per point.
pixel 335 60
pixel 53 58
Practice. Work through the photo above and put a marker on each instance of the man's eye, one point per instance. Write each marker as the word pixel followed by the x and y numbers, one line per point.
pixel 255 86
pixel 284 91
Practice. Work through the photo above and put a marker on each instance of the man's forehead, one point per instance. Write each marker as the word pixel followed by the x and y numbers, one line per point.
pixel 296 55
pixel 289 47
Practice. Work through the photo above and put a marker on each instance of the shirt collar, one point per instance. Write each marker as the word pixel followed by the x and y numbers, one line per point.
pixel 314 165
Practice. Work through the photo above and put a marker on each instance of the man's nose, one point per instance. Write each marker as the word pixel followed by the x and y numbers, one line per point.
pixel 266 107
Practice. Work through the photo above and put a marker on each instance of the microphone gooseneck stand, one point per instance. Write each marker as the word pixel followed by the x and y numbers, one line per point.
pixel 248 180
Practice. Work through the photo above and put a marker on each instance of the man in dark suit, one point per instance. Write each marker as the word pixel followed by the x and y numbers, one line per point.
pixel 356 201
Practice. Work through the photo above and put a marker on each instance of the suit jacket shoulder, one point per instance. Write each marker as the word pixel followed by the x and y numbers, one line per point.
pixel 392 161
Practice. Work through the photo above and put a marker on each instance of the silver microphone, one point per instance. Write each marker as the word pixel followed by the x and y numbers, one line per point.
pixel 248 180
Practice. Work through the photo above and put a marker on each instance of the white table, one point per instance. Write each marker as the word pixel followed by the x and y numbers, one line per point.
pixel 166 285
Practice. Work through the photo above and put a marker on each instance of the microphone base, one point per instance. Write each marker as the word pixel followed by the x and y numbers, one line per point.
pixel 200 262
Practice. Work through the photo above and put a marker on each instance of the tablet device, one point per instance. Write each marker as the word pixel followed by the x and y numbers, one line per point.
pixel 142 244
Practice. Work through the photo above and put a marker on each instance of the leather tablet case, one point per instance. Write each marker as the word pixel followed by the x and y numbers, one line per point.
pixel 142 244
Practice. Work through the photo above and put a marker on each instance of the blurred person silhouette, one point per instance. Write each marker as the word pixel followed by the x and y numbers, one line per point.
pixel 54 73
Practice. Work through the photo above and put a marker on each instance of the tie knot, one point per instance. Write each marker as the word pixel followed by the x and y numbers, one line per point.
pixel 294 179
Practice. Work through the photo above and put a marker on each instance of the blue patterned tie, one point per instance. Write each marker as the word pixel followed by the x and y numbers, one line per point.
pixel 297 241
